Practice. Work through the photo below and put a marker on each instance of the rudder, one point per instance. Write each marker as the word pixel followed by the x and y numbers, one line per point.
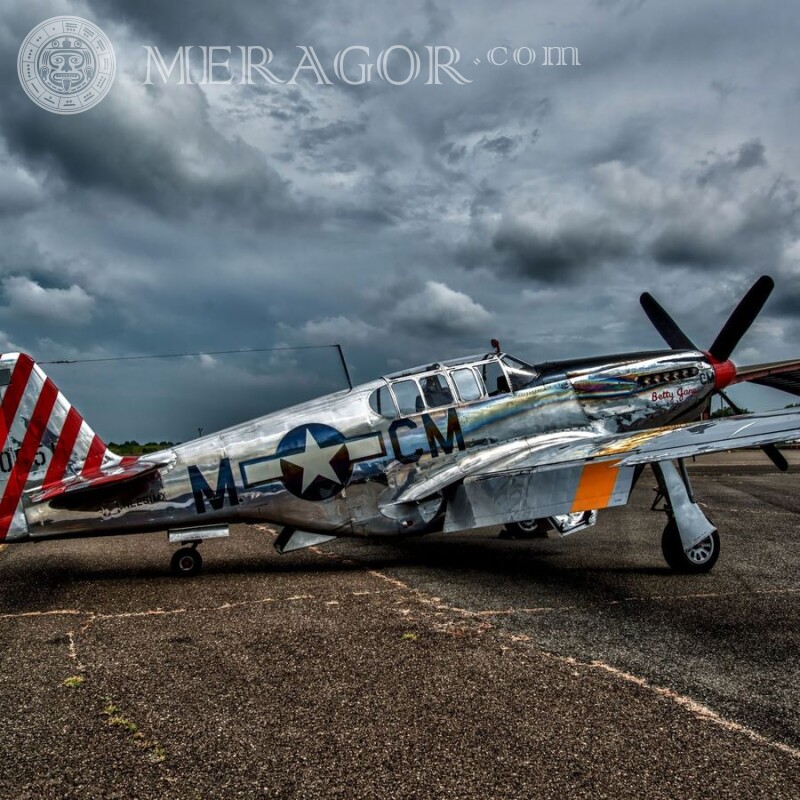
pixel 44 439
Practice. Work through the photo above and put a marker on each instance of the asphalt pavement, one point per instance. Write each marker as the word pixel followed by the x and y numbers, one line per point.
pixel 442 667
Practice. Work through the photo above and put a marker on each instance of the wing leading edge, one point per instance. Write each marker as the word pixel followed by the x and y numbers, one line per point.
pixel 783 375
pixel 577 450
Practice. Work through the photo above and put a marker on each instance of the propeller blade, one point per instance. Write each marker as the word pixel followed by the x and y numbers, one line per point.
pixel 741 319
pixel 731 404
pixel 770 450
pixel 664 324
pixel 776 457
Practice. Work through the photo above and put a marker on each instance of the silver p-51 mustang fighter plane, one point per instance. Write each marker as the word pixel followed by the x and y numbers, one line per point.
pixel 448 446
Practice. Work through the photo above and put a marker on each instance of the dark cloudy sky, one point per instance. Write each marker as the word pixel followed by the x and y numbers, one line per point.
pixel 409 222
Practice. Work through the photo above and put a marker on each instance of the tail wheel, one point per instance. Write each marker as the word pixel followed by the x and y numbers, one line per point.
pixel 701 558
pixel 187 561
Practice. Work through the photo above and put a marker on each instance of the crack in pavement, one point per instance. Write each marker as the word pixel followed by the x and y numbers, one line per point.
pixel 695 708
pixel 95 616
pixel 592 606
pixel 520 644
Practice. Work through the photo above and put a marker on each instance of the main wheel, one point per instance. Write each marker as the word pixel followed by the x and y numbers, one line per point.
pixel 524 529
pixel 701 558
pixel 187 561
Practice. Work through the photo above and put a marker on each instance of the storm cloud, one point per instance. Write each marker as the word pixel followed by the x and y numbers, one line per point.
pixel 408 223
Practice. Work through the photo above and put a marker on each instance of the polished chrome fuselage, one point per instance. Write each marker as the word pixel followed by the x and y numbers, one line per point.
pixel 254 471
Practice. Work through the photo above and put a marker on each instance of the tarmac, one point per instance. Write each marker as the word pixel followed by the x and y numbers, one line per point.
pixel 450 666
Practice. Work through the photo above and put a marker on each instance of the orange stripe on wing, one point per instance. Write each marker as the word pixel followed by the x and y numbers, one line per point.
pixel 596 486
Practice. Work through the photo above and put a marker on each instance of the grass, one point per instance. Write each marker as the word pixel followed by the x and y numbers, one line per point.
pixel 156 753
pixel 74 681
pixel 133 448
pixel 122 722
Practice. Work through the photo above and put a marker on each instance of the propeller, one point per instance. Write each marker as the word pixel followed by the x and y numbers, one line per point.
pixel 770 450
pixel 719 353
pixel 742 318
pixel 664 324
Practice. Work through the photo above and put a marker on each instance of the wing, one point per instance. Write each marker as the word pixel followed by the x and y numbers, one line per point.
pixel 783 375
pixel 699 438
pixel 574 471
pixel 552 451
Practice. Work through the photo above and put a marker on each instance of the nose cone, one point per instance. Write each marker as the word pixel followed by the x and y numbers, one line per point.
pixel 724 372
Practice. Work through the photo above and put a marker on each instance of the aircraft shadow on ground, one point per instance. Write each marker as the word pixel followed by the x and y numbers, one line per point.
pixel 36 585
pixel 75 570
pixel 523 558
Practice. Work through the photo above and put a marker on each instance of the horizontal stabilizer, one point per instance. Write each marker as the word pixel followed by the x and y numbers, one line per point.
pixel 110 479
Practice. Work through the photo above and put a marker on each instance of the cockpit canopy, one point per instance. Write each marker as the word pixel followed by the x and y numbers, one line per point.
pixel 463 380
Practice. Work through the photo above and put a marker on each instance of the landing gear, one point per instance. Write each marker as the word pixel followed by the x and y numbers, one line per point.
pixel 690 541
pixel 187 561
pixel 524 529
pixel 700 558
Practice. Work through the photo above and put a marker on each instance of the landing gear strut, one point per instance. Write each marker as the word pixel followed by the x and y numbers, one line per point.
pixel 187 560
pixel 690 542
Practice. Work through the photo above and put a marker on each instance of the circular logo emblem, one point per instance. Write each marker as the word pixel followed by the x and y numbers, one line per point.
pixel 315 464
pixel 66 65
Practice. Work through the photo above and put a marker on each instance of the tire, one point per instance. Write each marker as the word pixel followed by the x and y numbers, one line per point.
pixel 187 561
pixel 524 529
pixel 701 558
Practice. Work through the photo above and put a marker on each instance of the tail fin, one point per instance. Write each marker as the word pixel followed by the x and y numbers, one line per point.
pixel 44 439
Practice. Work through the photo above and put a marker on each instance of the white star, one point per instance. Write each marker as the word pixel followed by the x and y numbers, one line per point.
pixel 315 461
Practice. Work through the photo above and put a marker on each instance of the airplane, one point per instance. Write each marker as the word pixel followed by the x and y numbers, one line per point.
pixel 449 446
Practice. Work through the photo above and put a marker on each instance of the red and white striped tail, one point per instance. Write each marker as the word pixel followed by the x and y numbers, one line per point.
pixel 44 439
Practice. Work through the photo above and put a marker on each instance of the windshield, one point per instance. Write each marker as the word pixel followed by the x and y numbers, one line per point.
pixel 520 374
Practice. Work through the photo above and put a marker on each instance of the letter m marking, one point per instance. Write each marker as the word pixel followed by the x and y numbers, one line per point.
pixel 202 491
pixel 447 442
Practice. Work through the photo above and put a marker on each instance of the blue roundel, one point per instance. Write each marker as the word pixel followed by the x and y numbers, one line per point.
pixel 314 461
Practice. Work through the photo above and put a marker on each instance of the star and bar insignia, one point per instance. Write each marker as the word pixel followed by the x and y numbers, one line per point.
pixel 314 461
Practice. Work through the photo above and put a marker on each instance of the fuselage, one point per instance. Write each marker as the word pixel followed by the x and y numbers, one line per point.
pixel 335 463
